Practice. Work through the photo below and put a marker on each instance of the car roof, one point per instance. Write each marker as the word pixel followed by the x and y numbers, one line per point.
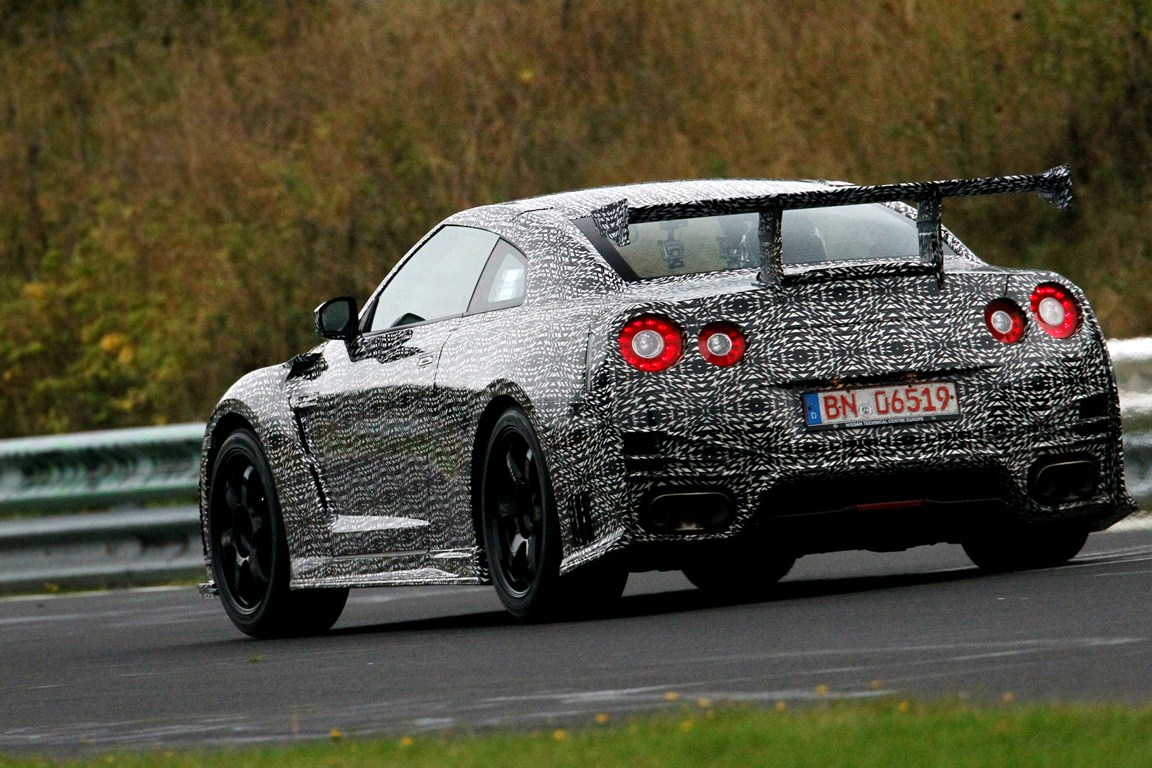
pixel 581 203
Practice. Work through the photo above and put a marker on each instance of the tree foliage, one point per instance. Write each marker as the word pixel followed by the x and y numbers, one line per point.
pixel 181 182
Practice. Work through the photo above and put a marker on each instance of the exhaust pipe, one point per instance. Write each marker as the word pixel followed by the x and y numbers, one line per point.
pixel 1060 481
pixel 688 512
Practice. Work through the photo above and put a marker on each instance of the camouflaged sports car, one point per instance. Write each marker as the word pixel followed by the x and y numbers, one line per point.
pixel 710 376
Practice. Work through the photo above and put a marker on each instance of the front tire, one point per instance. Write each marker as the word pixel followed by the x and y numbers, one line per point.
pixel 592 590
pixel 249 551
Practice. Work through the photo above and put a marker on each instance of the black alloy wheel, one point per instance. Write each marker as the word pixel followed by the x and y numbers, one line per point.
pixel 249 553
pixel 519 522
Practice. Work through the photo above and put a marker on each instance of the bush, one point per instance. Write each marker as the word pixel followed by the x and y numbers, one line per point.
pixel 180 183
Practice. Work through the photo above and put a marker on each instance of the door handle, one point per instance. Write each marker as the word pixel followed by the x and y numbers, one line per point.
pixel 423 361
pixel 304 400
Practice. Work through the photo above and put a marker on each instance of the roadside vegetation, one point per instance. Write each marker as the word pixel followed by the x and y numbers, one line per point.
pixel 883 734
pixel 182 182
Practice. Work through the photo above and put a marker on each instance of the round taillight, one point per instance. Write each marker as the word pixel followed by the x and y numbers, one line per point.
pixel 721 344
pixel 1005 321
pixel 1056 310
pixel 651 343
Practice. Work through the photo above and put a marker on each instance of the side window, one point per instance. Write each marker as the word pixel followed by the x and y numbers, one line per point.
pixel 437 281
pixel 503 281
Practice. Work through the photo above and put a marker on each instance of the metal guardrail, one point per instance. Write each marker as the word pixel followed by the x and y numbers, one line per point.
pixel 106 480
pixel 116 548
pixel 115 474
pixel 1132 360
pixel 90 470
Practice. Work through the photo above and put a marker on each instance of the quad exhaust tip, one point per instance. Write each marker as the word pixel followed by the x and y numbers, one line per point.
pixel 1056 482
pixel 688 512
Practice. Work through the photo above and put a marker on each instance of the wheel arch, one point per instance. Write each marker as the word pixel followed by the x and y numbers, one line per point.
pixel 217 431
pixel 488 417
pixel 295 489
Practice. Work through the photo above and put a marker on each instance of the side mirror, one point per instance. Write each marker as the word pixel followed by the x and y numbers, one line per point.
pixel 336 319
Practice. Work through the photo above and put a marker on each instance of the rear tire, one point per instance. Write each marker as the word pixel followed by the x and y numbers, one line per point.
pixel 592 589
pixel 518 518
pixel 249 551
pixel 521 533
pixel 1025 550
pixel 748 573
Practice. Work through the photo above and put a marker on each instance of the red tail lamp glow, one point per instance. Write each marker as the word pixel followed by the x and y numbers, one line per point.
pixel 722 344
pixel 1056 310
pixel 651 343
pixel 1005 321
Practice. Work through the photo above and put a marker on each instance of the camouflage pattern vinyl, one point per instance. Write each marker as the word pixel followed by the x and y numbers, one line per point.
pixel 374 444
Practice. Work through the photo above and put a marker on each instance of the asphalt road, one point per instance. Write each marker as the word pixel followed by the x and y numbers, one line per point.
pixel 151 668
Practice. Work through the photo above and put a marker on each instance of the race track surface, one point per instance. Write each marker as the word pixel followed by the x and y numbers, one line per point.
pixel 144 669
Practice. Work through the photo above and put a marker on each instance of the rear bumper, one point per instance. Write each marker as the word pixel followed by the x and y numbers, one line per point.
pixel 866 499
pixel 1036 442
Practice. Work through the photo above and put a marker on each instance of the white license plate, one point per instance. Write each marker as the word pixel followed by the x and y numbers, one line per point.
pixel 881 405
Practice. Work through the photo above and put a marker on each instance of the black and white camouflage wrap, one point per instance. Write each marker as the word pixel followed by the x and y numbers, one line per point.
pixel 373 443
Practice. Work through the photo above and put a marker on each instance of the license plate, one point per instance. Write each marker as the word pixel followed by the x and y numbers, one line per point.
pixel 881 405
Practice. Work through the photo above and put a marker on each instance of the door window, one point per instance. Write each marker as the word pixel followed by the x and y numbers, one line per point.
pixel 503 282
pixel 437 281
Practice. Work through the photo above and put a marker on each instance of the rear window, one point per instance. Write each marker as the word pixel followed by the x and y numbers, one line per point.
pixel 718 243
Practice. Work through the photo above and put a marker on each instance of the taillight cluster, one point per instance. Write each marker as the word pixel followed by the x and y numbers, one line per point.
pixel 651 343
pixel 1005 320
pixel 655 343
pixel 1053 307
pixel 721 344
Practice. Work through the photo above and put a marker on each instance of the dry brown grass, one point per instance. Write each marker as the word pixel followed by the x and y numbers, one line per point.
pixel 181 182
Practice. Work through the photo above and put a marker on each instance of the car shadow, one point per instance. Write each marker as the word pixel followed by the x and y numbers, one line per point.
pixel 799 589
pixel 670 602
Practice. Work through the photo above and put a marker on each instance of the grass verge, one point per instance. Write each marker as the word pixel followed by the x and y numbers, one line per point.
pixel 885 733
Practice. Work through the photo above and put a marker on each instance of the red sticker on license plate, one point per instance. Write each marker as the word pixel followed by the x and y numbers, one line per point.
pixel 881 405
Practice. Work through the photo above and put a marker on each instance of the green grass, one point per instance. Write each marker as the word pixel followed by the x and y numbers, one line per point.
pixel 887 733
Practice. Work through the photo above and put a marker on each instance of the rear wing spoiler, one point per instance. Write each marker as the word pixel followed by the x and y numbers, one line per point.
pixel 1054 185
